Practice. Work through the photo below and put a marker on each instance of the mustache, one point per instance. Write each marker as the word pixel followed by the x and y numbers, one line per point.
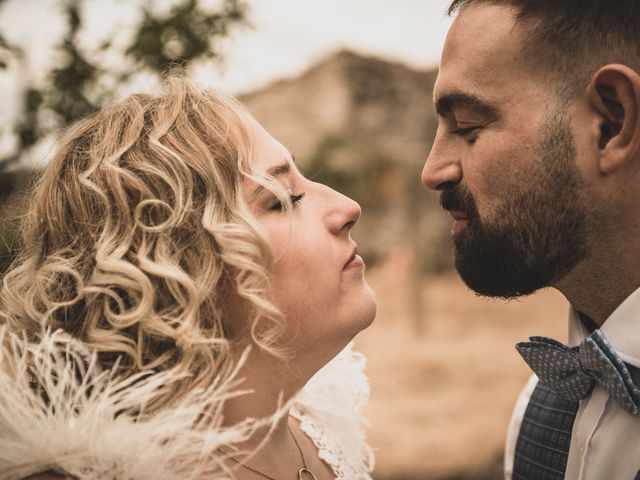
pixel 458 198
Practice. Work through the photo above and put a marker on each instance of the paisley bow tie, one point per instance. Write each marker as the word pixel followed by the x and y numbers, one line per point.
pixel 572 372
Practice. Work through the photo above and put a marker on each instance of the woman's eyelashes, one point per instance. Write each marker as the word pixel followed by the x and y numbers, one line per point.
pixel 278 206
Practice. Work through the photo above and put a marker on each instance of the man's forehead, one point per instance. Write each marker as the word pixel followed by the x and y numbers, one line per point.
pixel 482 25
pixel 482 51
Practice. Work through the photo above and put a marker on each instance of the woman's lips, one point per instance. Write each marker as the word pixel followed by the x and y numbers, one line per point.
pixel 355 262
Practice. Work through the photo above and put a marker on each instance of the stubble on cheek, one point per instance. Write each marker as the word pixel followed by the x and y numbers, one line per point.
pixel 508 172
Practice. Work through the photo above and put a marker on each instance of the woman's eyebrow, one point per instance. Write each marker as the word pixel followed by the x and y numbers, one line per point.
pixel 275 171
pixel 281 169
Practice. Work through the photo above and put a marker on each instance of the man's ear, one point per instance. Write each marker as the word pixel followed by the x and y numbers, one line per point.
pixel 614 92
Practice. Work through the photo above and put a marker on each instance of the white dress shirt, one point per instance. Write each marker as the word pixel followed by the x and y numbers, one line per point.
pixel 605 440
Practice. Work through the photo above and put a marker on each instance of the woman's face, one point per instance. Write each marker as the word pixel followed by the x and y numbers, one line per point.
pixel 317 278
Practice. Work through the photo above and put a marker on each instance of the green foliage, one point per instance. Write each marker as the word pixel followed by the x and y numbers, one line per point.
pixel 4 49
pixel 13 200
pixel 7 50
pixel 183 36
pixel 73 87
pixel 9 245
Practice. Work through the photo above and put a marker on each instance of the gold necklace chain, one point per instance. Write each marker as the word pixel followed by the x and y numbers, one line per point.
pixel 303 474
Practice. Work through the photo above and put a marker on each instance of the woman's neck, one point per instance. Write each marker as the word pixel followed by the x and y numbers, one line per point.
pixel 269 384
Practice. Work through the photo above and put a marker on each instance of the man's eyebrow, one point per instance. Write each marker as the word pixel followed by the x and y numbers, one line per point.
pixel 459 100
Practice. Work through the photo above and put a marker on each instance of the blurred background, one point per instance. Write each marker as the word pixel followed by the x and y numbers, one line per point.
pixel 347 86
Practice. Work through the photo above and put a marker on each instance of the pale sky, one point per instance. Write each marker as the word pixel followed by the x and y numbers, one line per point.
pixel 286 37
pixel 291 34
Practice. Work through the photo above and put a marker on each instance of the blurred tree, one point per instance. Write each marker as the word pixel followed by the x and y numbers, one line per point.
pixel 357 168
pixel 6 49
pixel 76 86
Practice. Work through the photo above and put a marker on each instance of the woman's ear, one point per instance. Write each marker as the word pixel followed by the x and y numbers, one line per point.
pixel 614 92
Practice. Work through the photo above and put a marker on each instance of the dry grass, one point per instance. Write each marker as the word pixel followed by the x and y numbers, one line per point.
pixel 440 403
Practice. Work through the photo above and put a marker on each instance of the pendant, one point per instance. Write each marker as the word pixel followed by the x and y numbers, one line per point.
pixel 304 474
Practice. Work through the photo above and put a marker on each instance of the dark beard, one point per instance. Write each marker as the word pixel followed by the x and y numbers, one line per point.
pixel 534 239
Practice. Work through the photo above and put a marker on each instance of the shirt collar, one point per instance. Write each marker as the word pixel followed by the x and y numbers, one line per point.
pixel 621 328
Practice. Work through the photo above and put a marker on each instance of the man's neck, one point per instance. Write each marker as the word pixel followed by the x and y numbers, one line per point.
pixel 597 292
pixel 587 322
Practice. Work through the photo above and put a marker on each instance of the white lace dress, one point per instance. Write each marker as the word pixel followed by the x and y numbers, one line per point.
pixel 84 430
pixel 330 411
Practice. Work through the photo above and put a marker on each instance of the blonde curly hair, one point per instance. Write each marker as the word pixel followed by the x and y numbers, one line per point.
pixel 139 237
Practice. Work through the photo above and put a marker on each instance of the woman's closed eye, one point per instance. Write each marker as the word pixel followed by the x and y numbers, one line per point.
pixel 278 206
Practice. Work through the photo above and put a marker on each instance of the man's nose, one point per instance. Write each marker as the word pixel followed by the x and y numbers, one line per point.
pixel 441 167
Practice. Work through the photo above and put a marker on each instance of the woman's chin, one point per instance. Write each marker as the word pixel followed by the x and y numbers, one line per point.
pixel 364 311
pixel 372 307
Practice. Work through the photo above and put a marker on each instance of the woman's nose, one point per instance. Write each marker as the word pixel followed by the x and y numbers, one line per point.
pixel 343 213
pixel 441 168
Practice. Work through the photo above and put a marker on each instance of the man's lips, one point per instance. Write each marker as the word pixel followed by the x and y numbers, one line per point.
pixel 457 215
pixel 459 221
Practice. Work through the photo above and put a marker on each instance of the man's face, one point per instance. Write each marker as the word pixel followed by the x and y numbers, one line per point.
pixel 505 160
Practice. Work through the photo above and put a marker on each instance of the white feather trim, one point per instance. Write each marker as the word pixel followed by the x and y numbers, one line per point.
pixel 87 429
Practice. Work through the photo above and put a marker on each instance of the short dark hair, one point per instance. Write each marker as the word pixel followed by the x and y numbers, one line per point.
pixel 570 39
